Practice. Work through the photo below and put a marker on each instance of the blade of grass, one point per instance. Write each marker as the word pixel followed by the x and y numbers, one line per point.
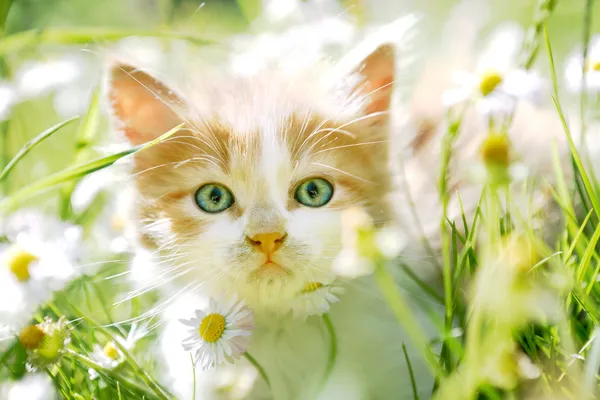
pixel 405 316
pixel 575 154
pixel 426 288
pixel 76 172
pixel 531 44
pixel 18 41
pixel 578 235
pixel 4 9
pixel 411 374
pixel 587 255
pixel 591 367
pixel 30 145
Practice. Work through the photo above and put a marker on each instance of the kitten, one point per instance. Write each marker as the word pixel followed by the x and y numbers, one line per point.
pixel 257 140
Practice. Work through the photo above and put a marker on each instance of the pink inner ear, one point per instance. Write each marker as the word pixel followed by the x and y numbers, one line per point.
pixel 378 72
pixel 144 106
pixel 380 100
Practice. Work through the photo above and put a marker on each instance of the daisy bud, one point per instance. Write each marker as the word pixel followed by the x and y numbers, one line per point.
pixel 31 337
pixel 495 154
pixel 47 341
pixel 496 150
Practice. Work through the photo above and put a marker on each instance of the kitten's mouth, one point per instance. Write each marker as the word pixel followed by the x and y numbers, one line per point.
pixel 271 270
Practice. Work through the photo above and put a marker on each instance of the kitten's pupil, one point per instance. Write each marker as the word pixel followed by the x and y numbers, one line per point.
pixel 312 190
pixel 215 195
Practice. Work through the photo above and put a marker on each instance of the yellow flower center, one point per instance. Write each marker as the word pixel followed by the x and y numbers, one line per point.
pixel 31 336
pixel 212 327
pixel 117 223
pixel 495 150
pixel 489 81
pixel 591 65
pixel 111 351
pixel 311 287
pixel 19 261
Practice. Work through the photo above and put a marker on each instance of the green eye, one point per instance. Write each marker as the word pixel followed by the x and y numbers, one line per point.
pixel 214 198
pixel 314 192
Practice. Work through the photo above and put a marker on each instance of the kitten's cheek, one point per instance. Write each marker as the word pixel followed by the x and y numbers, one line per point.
pixel 318 229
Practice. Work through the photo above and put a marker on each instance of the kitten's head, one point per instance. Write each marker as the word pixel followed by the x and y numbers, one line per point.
pixel 247 196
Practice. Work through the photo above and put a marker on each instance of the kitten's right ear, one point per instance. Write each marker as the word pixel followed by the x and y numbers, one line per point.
pixel 143 107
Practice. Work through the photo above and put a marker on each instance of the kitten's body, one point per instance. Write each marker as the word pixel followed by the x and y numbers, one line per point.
pixel 256 135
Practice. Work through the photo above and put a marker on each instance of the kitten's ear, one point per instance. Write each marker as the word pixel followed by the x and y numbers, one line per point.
pixel 375 83
pixel 143 106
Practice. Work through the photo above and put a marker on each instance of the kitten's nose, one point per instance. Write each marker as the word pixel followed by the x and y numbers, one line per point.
pixel 267 243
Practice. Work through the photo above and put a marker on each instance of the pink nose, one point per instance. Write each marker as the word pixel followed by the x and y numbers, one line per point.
pixel 267 243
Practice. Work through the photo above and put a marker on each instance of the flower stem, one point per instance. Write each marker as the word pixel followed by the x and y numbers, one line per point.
pixel 448 143
pixel 160 392
pixel 258 367
pixel 332 347
pixel 193 376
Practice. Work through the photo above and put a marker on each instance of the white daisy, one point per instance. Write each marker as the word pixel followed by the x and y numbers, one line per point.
pixel 31 387
pixel 577 67
pixel 36 78
pixel 30 272
pixel 315 299
pixel 110 356
pixel 497 83
pixel 220 334
pixel 109 231
pixel 352 262
pixel 292 49
pixel 34 263
pixel 7 99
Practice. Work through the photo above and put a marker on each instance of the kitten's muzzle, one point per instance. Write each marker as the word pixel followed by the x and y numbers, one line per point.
pixel 267 243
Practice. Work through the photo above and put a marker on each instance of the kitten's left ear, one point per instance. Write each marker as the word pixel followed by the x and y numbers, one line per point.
pixel 375 83
pixel 143 107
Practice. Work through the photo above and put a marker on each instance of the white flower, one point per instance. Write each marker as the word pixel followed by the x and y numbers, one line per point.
pixel 43 228
pixel 109 233
pixel 390 242
pixel 577 67
pixel 350 261
pixel 33 264
pixel 292 50
pixel 31 387
pixel 36 78
pixel 350 264
pixel 110 356
pixel 315 299
pixel 497 83
pixel 220 334
pixel 30 272
pixel 7 99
